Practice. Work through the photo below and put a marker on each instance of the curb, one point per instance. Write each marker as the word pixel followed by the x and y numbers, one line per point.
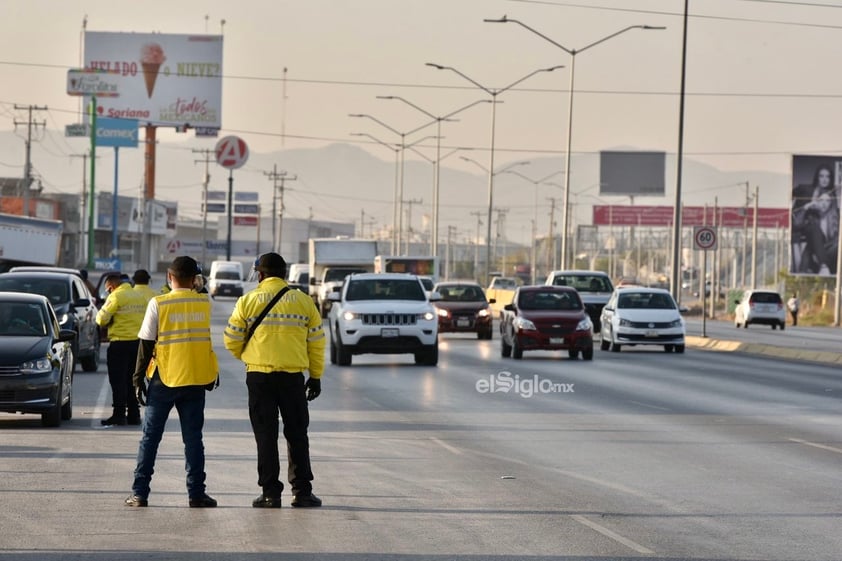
pixel 801 355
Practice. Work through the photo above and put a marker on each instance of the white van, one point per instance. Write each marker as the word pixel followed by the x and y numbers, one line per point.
pixel 299 275
pixel 225 279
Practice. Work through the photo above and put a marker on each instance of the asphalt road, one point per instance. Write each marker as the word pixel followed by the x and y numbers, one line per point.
pixel 635 455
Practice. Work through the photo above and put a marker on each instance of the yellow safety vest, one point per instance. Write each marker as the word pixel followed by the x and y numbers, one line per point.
pixel 123 313
pixel 147 291
pixel 184 352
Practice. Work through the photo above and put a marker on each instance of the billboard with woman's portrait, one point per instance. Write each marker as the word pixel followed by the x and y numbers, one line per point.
pixel 816 186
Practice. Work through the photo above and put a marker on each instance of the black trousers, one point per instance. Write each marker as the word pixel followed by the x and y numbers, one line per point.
pixel 121 359
pixel 284 393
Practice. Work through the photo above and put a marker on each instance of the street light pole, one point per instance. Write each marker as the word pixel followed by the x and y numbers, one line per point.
pixel 397 179
pixel 565 213
pixel 493 93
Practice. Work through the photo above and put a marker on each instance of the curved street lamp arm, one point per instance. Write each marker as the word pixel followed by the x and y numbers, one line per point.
pixel 378 121
pixel 492 93
pixel 421 154
pixel 377 140
pixel 452 113
pixel 529 179
pixel 399 98
pixel 476 163
pixel 531 74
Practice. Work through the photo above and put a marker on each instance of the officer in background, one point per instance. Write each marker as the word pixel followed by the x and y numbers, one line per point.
pixel 141 280
pixel 122 313
pixel 289 341
pixel 176 358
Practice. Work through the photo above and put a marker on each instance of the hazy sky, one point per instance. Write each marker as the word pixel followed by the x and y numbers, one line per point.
pixel 763 77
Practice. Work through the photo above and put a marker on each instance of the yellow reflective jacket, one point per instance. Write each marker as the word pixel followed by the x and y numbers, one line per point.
pixel 123 313
pixel 290 338
pixel 184 352
pixel 147 291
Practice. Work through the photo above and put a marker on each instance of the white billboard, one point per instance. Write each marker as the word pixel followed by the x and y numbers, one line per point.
pixel 165 80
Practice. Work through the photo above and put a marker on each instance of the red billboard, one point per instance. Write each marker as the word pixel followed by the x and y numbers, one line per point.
pixel 245 221
pixel 727 217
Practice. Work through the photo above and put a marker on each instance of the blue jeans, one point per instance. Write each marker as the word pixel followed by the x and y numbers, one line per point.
pixel 189 401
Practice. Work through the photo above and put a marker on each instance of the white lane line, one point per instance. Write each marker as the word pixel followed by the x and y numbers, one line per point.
pixel 649 406
pixel 817 445
pixel 611 534
pixel 446 446
pixel 99 408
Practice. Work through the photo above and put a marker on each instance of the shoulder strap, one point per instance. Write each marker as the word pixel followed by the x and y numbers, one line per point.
pixel 263 313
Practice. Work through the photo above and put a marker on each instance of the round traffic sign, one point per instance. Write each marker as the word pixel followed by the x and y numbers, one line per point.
pixel 173 246
pixel 231 152
pixel 705 237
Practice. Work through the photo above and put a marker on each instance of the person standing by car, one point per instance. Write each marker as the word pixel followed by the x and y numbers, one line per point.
pixel 176 357
pixel 122 313
pixel 141 284
pixel 287 342
pixel 792 304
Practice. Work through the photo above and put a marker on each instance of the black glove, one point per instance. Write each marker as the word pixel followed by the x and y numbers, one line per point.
pixel 314 388
pixel 140 391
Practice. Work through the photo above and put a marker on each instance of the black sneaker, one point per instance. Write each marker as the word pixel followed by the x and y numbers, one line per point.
pixel 205 501
pixel 113 421
pixel 266 502
pixel 306 501
pixel 135 500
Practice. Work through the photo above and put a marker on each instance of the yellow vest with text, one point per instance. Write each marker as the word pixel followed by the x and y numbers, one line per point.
pixel 123 313
pixel 184 353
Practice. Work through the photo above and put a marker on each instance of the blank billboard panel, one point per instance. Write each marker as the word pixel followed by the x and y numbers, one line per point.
pixel 632 173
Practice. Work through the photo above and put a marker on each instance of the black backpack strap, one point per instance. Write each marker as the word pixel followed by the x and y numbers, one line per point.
pixel 262 315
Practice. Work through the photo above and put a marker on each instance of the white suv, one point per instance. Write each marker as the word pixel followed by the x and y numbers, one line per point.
pixel 764 307
pixel 383 313
pixel 594 287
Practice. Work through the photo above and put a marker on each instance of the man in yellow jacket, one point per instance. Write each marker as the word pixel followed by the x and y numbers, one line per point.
pixel 288 341
pixel 141 284
pixel 122 313
pixel 177 361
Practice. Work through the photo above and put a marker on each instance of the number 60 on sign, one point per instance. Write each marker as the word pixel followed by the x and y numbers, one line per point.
pixel 704 238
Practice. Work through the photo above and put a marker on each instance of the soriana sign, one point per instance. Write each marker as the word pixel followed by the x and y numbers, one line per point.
pixel 169 80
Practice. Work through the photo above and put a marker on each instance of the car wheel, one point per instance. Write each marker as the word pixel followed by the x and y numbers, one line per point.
pixel 737 324
pixel 603 344
pixel 90 363
pixel 774 326
pixel 668 348
pixel 517 352
pixel 587 354
pixel 52 418
pixel 783 326
pixel 745 325
pixel 343 355
pixel 505 349
pixel 67 408
pixel 573 354
pixel 428 356
pixel 332 352
pixel 679 349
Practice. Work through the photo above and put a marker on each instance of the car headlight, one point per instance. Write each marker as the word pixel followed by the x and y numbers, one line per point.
pixel 65 317
pixel 349 316
pixel 442 312
pixel 524 324
pixel 485 312
pixel 38 366
pixel 584 325
pixel 675 323
pixel 429 316
pixel 625 323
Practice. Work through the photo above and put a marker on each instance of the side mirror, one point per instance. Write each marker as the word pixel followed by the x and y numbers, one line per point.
pixel 334 296
pixel 492 300
pixel 608 308
pixel 737 302
pixel 683 309
pixel 435 296
pixel 66 335
pixel 509 307
pixel 82 303
pixel 313 281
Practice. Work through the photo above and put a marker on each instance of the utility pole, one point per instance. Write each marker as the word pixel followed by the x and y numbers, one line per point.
pixel 479 216
pixel 501 234
pixel 448 259
pixel 275 176
pixel 410 203
pixel 209 156
pixel 27 168
pixel 745 237
pixel 84 207
pixel 754 239
pixel 551 253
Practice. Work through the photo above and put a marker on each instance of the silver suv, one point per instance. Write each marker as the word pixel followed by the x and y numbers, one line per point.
pixel 594 288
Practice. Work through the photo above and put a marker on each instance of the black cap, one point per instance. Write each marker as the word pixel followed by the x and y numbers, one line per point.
pixel 141 276
pixel 185 267
pixel 271 264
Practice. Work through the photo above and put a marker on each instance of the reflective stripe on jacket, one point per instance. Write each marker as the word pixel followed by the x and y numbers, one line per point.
pixel 290 338
pixel 184 352
pixel 123 313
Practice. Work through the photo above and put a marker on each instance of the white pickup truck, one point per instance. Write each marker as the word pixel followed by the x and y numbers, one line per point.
pixel 383 313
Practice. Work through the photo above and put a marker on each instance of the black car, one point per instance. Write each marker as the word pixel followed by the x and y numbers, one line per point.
pixel 73 303
pixel 36 359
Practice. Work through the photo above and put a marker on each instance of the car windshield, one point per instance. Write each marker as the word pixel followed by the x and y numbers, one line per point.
pixel 227 275
pixel 22 319
pixel 302 277
pixel 645 300
pixel 337 275
pixel 427 283
pixel 385 289
pixel 536 300
pixel 503 283
pixel 459 293
pixel 584 283
pixel 56 290
pixel 765 298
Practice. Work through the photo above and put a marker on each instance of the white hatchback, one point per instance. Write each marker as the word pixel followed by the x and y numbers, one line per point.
pixel 636 315
pixel 765 307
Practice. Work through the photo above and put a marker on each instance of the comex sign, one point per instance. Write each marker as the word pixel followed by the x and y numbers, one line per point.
pixel 117 133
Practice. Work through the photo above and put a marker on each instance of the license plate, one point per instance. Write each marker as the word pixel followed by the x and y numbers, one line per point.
pixel 651 333
pixel 463 323
pixel 389 332
pixel 556 340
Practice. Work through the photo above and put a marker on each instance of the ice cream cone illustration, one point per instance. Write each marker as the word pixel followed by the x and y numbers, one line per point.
pixel 151 58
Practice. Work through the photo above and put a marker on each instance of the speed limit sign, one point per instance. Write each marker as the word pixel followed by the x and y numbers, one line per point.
pixel 704 238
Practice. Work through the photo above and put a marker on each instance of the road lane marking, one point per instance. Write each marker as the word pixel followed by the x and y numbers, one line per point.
pixel 649 406
pixel 446 446
pixel 99 408
pixel 817 445
pixel 611 534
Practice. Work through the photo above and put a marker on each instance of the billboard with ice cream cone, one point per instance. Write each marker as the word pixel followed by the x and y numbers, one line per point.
pixel 165 79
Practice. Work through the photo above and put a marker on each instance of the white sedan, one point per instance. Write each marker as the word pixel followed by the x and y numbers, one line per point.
pixel 637 315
